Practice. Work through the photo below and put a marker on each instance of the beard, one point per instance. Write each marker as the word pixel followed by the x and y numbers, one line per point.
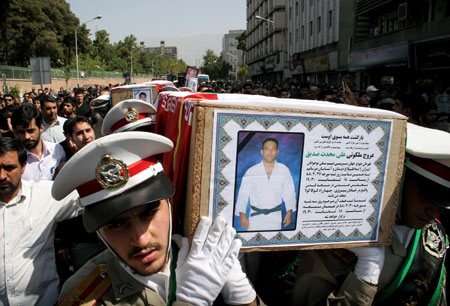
pixel 31 144
pixel 10 188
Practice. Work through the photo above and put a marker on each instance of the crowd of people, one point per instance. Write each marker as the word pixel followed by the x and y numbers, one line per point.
pixel 122 232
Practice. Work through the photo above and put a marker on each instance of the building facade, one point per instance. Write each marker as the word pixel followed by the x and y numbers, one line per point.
pixel 230 53
pixel 162 50
pixel 312 40
pixel 266 43
pixel 403 43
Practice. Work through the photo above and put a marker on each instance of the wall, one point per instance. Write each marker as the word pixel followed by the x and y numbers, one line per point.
pixel 25 85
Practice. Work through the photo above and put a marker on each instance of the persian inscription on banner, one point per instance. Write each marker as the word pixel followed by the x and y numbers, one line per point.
pixel 339 169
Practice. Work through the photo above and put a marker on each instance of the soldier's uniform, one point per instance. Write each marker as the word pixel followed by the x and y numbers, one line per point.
pixel 102 281
pixel 124 192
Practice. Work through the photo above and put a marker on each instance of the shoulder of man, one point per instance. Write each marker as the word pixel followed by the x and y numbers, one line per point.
pixel 89 283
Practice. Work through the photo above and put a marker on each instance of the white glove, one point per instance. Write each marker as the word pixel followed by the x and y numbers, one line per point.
pixel 237 289
pixel 203 271
pixel 370 263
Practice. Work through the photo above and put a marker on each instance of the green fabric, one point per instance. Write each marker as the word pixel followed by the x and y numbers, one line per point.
pixel 437 293
pixel 403 271
pixel 259 211
pixel 173 278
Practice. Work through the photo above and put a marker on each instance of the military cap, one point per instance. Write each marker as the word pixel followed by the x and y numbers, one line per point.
pixel 115 173
pixel 428 155
pixel 128 115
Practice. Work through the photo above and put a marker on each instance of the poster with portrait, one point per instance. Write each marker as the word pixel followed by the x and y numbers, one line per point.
pixel 267 171
pixel 144 94
pixel 296 180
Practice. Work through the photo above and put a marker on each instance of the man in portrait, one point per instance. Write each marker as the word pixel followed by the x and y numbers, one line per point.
pixel 143 96
pixel 266 186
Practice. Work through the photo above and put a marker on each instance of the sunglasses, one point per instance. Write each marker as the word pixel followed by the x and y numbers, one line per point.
pixel 8 99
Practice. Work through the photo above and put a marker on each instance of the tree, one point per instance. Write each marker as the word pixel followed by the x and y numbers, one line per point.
pixel 35 28
pixel 242 41
pixel 216 67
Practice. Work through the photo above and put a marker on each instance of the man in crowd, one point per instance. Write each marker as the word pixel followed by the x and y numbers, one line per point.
pixel 80 131
pixel 37 103
pixel 266 185
pixel 411 270
pixel 68 107
pixel 9 100
pixel 53 124
pixel 131 213
pixel 42 157
pixel 372 95
pixel 83 108
pixel 28 216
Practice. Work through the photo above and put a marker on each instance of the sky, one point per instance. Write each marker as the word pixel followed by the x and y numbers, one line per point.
pixel 193 26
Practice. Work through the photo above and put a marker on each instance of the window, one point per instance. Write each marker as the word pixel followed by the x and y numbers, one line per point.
pixel 310 28
pixel 319 19
pixel 330 18
pixel 303 5
pixel 296 8
pixel 303 32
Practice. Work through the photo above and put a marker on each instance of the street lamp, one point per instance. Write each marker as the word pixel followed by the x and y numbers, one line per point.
pixel 265 19
pixel 76 46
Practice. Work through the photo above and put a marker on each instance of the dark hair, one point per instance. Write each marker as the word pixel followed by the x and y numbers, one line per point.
pixel 69 99
pixel 269 139
pixel 46 98
pixel 70 123
pixel 24 115
pixel 9 144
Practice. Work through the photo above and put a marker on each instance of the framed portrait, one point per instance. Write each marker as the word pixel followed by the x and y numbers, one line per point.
pixel 267 181
pixel 144 94
pixel 295 180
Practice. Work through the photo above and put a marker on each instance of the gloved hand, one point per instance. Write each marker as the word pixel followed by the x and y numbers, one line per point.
pixel 370 263
pixel 203 271
pixel 237 289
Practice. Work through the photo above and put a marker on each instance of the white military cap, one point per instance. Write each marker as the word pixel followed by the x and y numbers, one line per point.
pixel 128 115
pixel 101 102
pixel 428 155
pixel 115 173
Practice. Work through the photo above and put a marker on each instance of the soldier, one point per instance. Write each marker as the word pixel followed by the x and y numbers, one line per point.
pixel 126 202
pixel 410 271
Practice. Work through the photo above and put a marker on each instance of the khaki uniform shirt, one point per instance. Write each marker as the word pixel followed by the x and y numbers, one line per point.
pixel 124 290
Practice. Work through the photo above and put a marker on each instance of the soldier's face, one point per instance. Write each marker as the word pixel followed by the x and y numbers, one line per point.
pixel 416 210
pixel 140 237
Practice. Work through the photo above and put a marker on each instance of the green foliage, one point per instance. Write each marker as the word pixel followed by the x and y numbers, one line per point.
pixel 36 28
pixel 47 28
pixel 243 72
pixel 14 90
pixel 242 41
pixel 216 67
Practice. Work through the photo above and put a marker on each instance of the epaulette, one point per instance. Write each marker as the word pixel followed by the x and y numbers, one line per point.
pixel 90 290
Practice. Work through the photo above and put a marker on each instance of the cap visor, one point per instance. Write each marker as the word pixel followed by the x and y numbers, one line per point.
pixel 154 189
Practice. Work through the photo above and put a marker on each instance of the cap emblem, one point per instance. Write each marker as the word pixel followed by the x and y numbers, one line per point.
pixel 111 173
pixel 132 115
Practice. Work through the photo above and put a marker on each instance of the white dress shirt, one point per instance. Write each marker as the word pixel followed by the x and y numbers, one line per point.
pixel 54 133
pixel 43 168
pixel 27 266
